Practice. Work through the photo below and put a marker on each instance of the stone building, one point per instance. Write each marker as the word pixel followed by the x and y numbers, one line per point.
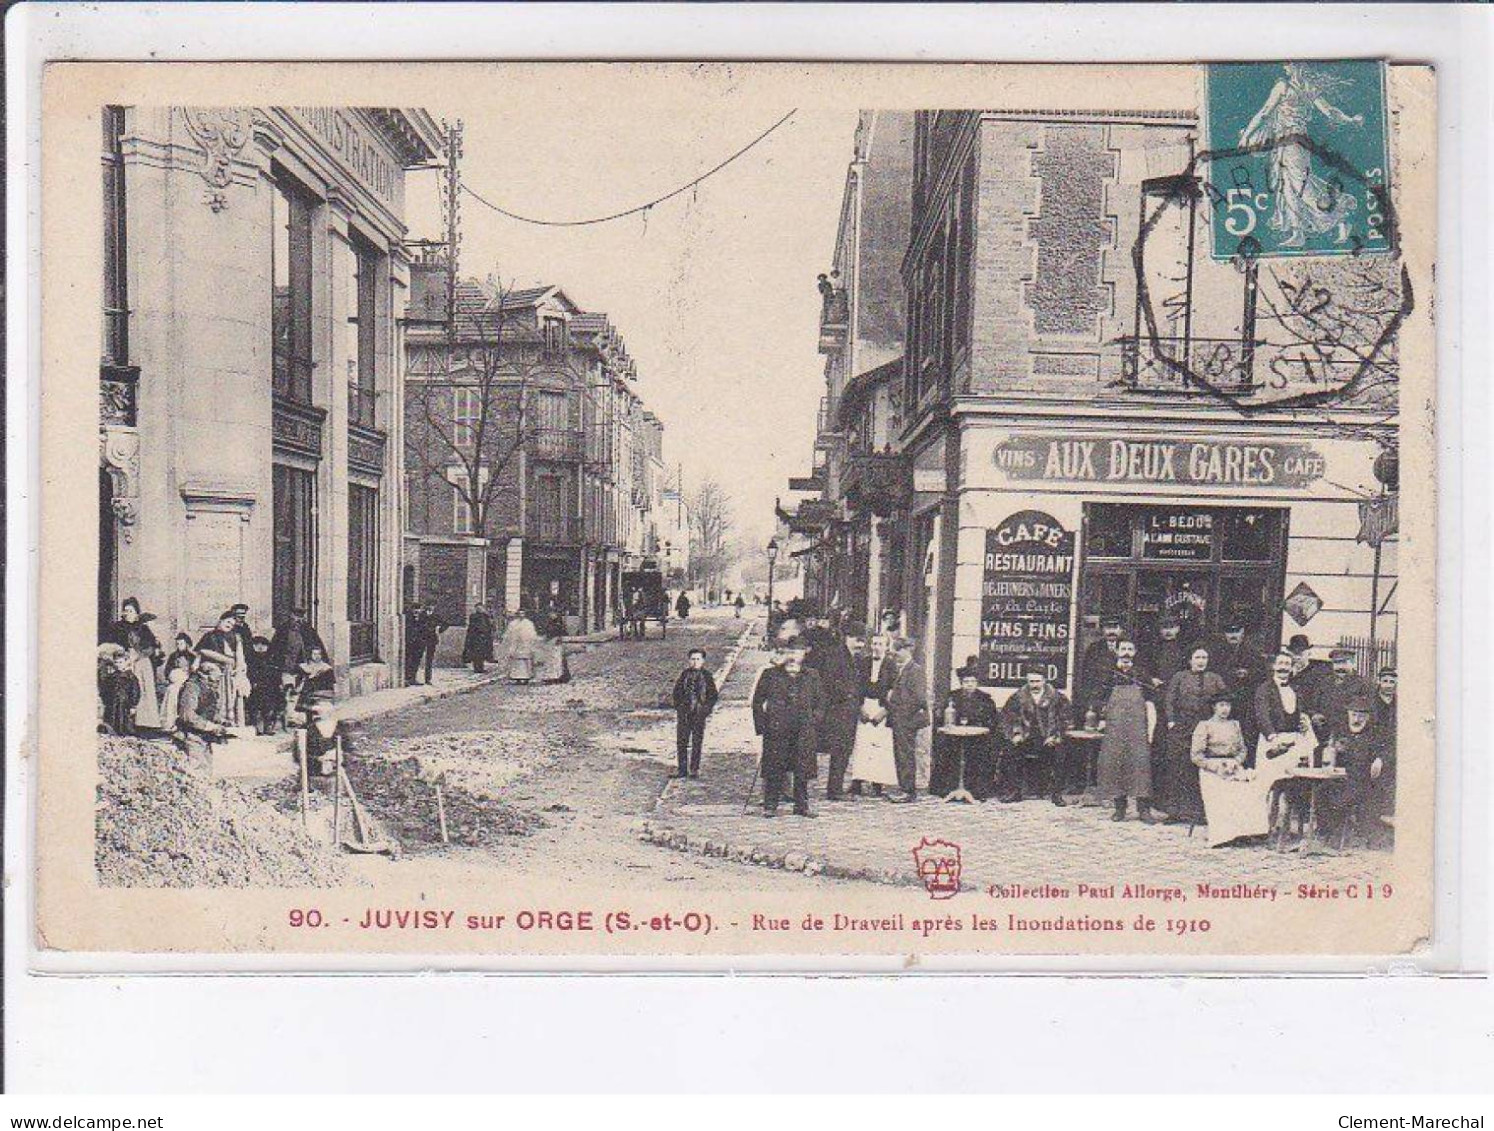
pixel 1063 467
pixel 255 280
pixel 538 421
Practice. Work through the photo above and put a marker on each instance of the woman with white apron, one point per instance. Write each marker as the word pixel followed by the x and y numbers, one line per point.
pixel 872 763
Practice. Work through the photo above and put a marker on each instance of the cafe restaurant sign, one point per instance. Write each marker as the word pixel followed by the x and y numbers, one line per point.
pixel 1027 592
pixel 1199 463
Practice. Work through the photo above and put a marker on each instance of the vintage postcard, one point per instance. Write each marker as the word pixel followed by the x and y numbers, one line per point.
pixel 618 514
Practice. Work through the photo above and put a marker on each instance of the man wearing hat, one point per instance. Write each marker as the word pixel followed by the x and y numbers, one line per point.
pixel 967 705
pixel 1098 668
pixel 197 708
pixel 1329 703
pixel 1384 716
pixel 1037 720
pixel 1369 761
pixel 787 705
pixel 907 714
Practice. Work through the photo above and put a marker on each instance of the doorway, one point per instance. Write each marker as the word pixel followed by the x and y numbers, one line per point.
pixel 108 554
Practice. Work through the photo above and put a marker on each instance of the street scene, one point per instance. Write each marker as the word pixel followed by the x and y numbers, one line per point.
pixel 892 503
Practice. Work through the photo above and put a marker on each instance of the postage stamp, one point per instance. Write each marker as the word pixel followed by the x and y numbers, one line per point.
pixel 1300 159
pixel 731 521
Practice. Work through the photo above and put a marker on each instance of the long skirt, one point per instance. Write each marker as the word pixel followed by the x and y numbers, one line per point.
pixel 871 754
pixel 1236 807
pixel 1177 788
pixel 169 704
pixel 147 714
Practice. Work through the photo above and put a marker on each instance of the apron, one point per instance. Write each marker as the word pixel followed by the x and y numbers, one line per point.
pixel 871 754
pixel 146 713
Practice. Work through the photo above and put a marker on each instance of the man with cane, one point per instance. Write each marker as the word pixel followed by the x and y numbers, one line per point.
pixel 787 707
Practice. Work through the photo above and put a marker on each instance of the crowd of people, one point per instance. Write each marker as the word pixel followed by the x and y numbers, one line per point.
pixel 1191 730
pixel 230 678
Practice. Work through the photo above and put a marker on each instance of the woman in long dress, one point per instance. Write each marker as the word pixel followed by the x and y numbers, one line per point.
pixel 1125 765
pixel 1306 204
pixel 872 762
pixel 1190 697
pixel 518 647
pixel 221 645
pixel 132 633
pixel 1236 800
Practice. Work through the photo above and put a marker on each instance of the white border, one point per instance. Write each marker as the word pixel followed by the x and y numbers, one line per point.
pixel 190 1015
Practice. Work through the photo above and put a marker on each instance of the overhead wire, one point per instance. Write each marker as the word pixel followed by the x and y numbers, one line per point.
pixel 636 208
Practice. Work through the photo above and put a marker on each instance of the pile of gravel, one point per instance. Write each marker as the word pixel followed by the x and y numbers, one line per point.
pixel 161 822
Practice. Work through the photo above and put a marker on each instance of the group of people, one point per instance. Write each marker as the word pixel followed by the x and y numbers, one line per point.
pixel 230 678
pixel 532 653
pixel 1205 729
pixel 1200 731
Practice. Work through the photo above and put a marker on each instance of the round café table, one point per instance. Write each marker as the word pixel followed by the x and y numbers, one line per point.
pixel 962 735
pixel 1316 778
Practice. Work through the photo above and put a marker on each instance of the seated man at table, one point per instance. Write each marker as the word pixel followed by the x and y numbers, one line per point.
pixel 1037 718
pixel 1367 755
pixel 968 706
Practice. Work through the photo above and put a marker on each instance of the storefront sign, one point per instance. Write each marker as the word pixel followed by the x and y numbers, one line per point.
pixel 357 152
pixel 1027 592
pixel 1178 536
pixel 1210 463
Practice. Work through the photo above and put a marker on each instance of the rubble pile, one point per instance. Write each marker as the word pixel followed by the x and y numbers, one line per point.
pixel 400 793
pixel 161 822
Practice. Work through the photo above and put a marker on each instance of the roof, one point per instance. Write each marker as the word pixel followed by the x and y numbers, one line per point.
pixel 860 387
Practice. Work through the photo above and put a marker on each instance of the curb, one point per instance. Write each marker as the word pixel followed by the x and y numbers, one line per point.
pixel 442 693
pixel 787 861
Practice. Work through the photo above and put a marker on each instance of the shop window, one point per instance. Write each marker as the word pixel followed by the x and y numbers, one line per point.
pixel 290 310
pixel 363 560
pixel 1108 531
pixel 1248 535
pixel 116 344
pixel 466 409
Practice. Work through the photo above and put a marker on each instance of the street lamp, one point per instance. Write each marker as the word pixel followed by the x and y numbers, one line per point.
pixel 772 562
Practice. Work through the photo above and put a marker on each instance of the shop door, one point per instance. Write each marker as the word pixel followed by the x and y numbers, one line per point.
pixel 1186 594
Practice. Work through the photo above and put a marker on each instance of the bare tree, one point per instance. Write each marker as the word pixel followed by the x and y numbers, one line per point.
pixel 469 370
pixel 711 526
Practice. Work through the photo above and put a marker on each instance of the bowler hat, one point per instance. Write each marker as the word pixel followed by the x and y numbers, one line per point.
pixel 969 671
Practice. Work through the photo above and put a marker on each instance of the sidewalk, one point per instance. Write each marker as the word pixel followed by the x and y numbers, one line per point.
pixel 871 840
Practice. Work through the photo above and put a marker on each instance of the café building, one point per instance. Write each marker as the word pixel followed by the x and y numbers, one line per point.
pixel 251 373
pixel 1101 421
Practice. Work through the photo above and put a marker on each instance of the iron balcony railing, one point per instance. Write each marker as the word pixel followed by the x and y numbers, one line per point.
pixel 555 530
pixel 567 444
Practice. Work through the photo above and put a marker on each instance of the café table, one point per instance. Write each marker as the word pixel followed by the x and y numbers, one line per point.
pixel 962 735
pixel 1316 778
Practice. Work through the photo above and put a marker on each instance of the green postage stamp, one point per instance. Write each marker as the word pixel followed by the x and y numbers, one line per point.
pixel 1298 159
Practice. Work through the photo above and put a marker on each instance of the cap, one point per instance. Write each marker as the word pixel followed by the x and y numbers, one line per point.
pixel 1385 671
pixel 1110 622
pixel 902 642
pixel 1035 669
pixel 240 608
pixel 1337 654
pixel 1234 624
pixel 969 671
pixel 1360 703
pixel 1171 620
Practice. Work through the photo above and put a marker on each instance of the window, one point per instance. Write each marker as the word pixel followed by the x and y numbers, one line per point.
pixel 466 410
pixel 361 333
pixel 293 567
pixel 363 561
pixel 290 312
pixel 461 511
pixel 554 336
pixel 116 344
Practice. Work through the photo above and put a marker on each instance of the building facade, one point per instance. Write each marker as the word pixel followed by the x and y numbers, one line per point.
pixel 1065 468
pixel 527 455
pixel 251 375
pixel 852 551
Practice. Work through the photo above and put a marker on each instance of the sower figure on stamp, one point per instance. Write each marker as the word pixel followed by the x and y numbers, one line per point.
pixel 787 705
pixel 694 699
pixel 1038 718
pixel 907 715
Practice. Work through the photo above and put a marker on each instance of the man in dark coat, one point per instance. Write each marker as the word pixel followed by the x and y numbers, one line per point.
pixel 477 646
pixel 1308 674
pixel 1367 754
pixel 1344 685
pixel 1038 718
pixel 966 761
pixel 422 631
pixel 907 704
pixel 787 705
pixel 694 698
pixel 1098 669
pixel 831 660
pixel 197 710
pixel 1384 705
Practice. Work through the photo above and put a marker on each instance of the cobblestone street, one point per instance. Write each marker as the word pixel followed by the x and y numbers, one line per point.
pixel 602 747
pixel 1028 843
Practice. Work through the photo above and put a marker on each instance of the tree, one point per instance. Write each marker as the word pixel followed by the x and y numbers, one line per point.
pixel 711 525
pixel 468 402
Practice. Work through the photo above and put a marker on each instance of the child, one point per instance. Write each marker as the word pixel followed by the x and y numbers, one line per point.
pixel 118 688
pixel 266 704
pixel 694 698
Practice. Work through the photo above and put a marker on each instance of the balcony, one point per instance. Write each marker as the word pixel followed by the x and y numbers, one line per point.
pixel 1155 365
pixel 362 402
pixel 879 482
pixel 554 529
pixel 835 318
pixel 561 444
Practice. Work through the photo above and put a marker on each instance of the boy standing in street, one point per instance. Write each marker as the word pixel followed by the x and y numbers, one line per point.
pixel 694 698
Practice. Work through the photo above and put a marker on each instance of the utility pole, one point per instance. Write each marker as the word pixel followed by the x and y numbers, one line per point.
pixel 451 218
